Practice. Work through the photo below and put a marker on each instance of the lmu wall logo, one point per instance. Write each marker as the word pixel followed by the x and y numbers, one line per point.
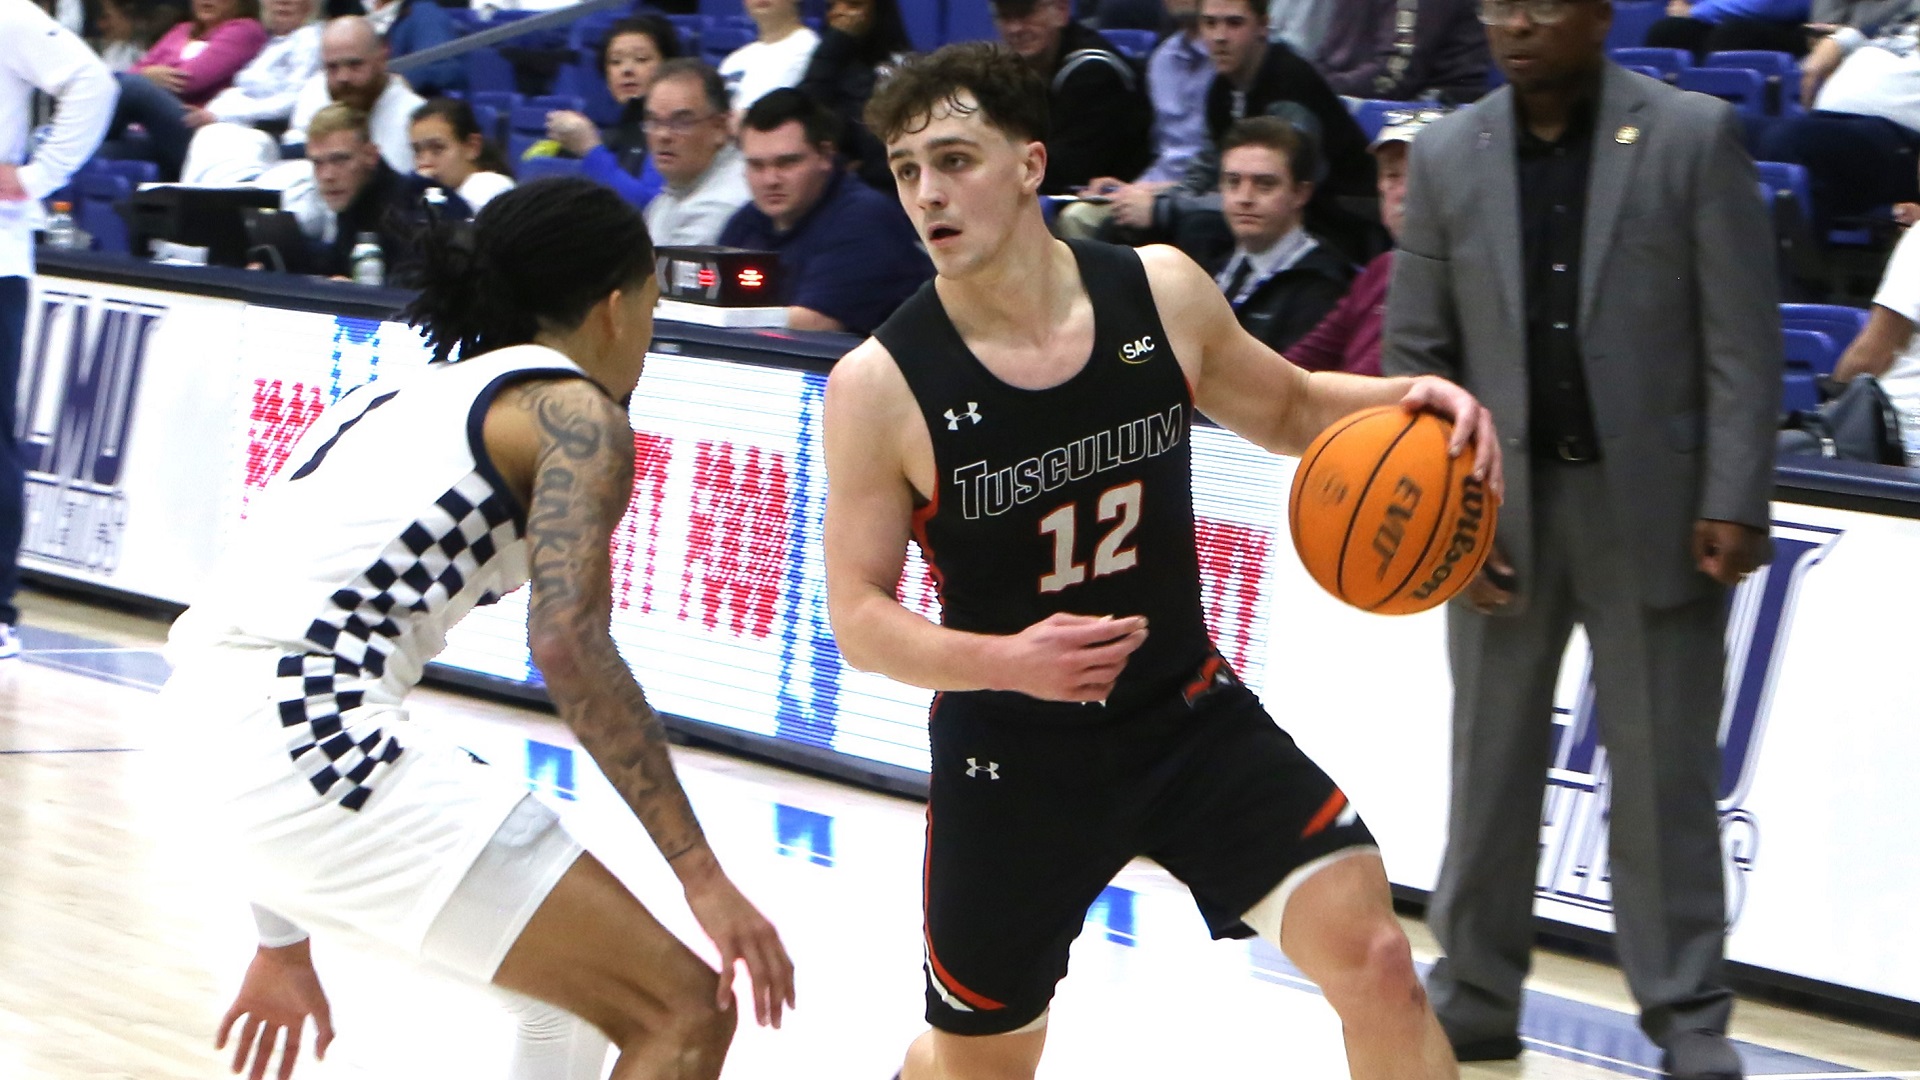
pixel 1573 841
pixel 80 381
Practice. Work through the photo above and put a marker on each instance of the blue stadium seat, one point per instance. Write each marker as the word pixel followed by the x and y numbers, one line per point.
pixel 689 28
pixel 1782 179
pixel 1631 21
pixel 1799 390
pixel 1745 88
pixel 967 21
pixel 464 20
pixel 536 168
pixel 558 102
pixel 488 72
pixel 924 22
pixel 94 211
pixel 1669 62
pixel 587 33
pixel 498 105
pixel 526 125
pixel 1135 44
pixel 720 9
pixel 1649 72
pixel 1781 73
pixel 1840 323
pixel 1809 351
pixel 583 80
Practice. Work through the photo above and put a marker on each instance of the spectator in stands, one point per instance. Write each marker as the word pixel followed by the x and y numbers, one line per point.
pixel 1102 124
pixel 122 35
pixel 1279 279
pixel 1178 75
pixel 353 62
pixel 777 58
pixel 1711 26
pixel 410 26
pixel 264 91
pixel 1301 24
pixel 864 40
pixel 59 65
pixel 630 58
pixel 199 58
pixel 1348 339
pixel 1860 142
pixel 1254 77
pixel 848 253
pixel 188 65
pixel 363 194
pixel 1438 54
pixel 449 149
pixel 1888 349
pixel 706 180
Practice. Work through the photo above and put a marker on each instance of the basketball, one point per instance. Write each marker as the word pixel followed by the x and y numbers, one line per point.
pixel 1383 518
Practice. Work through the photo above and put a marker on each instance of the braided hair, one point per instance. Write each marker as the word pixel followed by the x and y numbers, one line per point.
pixel 538 257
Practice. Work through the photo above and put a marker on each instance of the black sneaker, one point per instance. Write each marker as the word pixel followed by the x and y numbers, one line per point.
pixel 1496 1048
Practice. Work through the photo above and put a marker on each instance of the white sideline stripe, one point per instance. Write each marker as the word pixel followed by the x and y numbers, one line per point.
pixel 1580 1052
pixel 1834 1076
pixel 86 652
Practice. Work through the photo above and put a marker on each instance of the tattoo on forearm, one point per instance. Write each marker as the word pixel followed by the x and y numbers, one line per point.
pixel 581 488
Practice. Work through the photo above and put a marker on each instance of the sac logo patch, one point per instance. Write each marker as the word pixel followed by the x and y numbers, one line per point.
pixel 1137 352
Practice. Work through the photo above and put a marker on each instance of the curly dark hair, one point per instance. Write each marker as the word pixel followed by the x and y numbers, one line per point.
pixel 540 255
pixel 1008 93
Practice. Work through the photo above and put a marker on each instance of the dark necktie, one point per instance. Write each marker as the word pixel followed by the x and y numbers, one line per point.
pixel 1239 279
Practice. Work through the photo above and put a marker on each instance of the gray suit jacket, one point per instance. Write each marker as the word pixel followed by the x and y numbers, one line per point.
pixel 1679 324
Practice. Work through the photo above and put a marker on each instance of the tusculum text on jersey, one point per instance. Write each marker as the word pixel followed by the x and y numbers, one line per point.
pixel 992 492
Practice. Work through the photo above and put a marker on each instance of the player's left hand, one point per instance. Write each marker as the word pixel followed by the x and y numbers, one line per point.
pixel 574 132
pixel 280 991
pixel 743 935
pixel 1727 551
pixel 1472 423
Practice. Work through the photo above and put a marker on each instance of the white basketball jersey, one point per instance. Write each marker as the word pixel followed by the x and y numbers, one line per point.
pixel 387 524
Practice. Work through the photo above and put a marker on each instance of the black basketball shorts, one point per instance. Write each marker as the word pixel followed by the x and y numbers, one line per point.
pixel 1027 821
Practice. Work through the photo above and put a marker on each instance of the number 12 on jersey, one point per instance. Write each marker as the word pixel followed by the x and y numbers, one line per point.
pixel 1121 504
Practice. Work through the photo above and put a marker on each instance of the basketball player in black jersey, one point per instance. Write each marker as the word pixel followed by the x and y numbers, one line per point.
pixel 1025 419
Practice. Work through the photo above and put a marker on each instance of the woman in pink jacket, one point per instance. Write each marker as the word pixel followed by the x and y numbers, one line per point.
pixel 192 62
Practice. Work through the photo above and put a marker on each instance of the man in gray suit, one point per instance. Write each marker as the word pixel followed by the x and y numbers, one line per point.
pixel 1586 250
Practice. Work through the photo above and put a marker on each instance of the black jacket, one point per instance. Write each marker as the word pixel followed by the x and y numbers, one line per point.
pixel 1101 118
pixel 1285 306
pixel 1285 77
pixel 841 76
pixel 396 209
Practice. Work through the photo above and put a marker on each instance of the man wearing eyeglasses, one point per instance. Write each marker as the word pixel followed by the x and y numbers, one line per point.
pixel 1586 250
pixel 706 179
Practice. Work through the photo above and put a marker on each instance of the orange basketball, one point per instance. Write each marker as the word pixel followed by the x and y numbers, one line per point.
pixel 1383 518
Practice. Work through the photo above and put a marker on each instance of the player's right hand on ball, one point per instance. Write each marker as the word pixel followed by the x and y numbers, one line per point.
pixel 1072 657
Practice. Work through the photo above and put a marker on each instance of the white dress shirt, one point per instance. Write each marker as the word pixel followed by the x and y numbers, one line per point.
pixel 38 54
pixel 1285 253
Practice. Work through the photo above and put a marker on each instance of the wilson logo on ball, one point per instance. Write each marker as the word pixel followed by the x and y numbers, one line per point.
pixel 1384 518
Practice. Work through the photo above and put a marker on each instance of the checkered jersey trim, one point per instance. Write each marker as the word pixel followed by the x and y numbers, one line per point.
pixel 430 562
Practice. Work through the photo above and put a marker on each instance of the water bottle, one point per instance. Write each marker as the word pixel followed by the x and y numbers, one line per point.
pixel 369 262
pixel 61 231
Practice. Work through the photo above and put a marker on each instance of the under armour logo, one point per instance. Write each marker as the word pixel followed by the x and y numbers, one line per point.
pixel 972 413
pixel 991 768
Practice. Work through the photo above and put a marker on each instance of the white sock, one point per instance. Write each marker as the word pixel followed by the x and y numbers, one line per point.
pixel 554 1044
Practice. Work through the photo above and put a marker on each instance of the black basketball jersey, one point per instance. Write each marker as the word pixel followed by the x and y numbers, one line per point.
pixel 1077 498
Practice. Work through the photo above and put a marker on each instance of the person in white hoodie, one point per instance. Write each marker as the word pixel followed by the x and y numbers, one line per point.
pixel 265 90
pixel 39 55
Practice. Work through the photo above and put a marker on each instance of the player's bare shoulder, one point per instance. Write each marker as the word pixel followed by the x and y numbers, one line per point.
pixel 1191 305
pixel 534 418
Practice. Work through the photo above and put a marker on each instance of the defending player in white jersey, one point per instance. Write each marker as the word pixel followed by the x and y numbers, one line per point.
pixel 409 502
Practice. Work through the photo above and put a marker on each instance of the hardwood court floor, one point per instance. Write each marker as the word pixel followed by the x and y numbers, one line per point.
pixel 121 940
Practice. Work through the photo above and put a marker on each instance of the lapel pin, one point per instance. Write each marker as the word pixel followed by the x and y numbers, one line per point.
pixel 1627 135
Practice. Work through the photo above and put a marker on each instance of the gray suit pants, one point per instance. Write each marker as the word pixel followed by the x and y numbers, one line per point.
pixel 1658 677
